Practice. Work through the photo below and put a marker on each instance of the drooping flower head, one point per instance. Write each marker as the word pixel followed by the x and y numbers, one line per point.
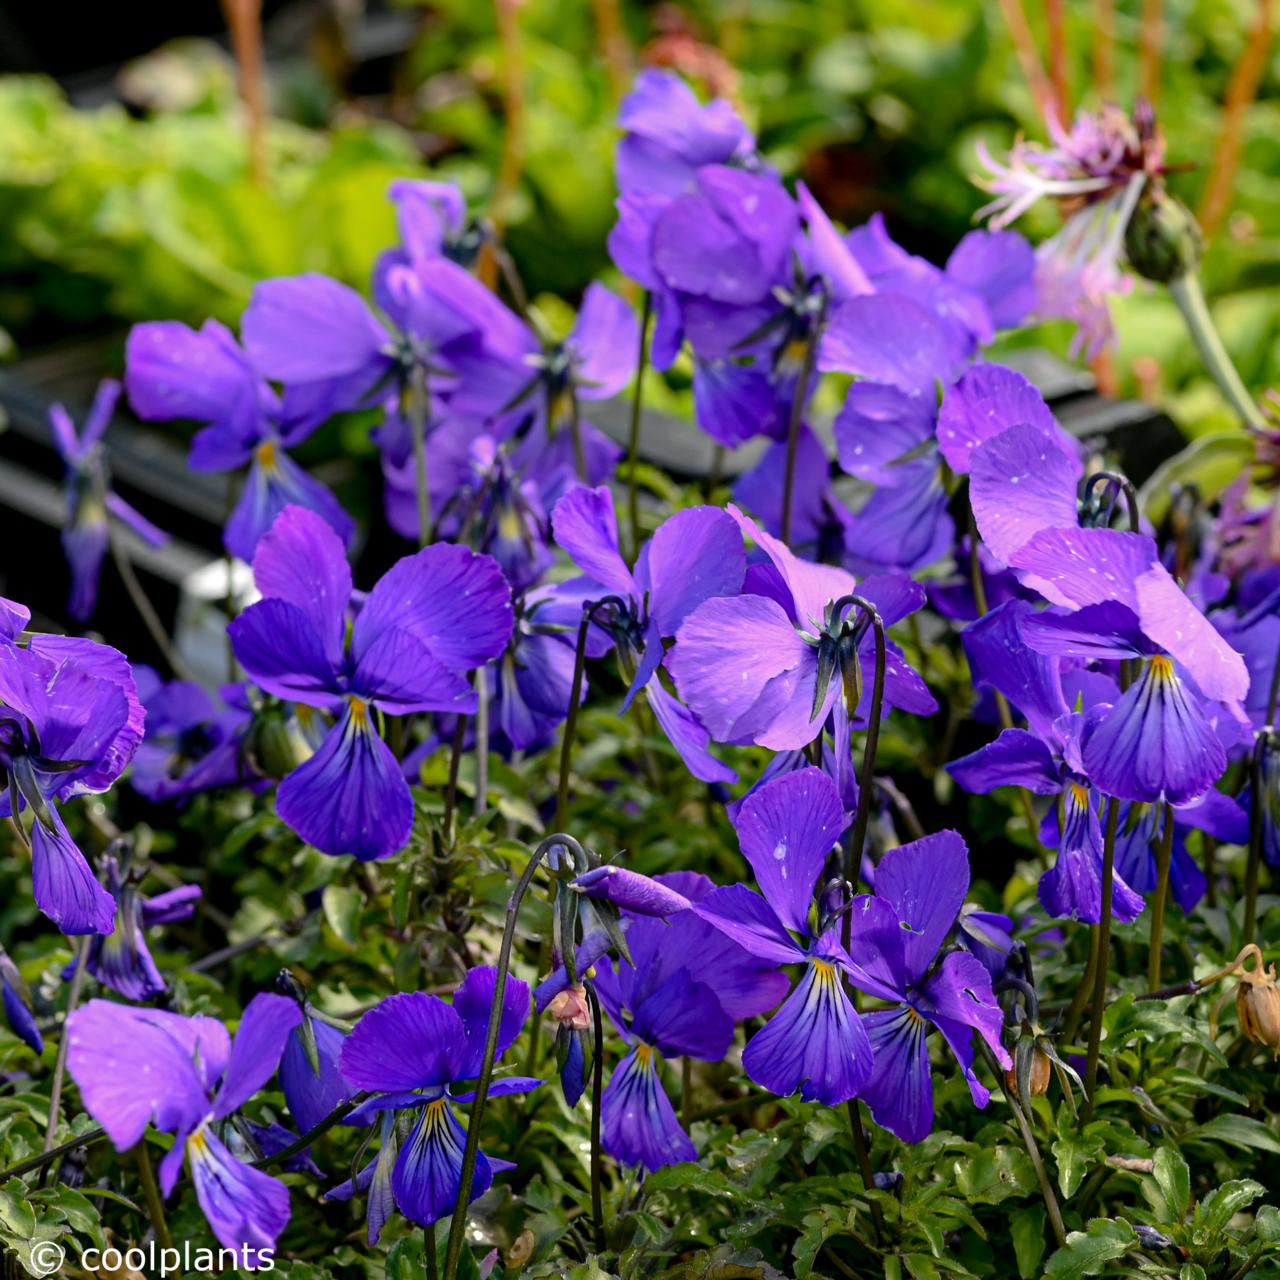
pixel 122 960
pixel 679 993
pixel 18 1010
pixel 429 620
pixel 70 721
pixel 411 1052
pixel 91 502
pixel 187 1077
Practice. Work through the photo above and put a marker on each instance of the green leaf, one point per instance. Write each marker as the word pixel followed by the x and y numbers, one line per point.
pixel 1191 1271
pixel 1224 1202
pixel 1026 1226
pixel 1267 1224
pixel 16 1215
pixel 1073 1156
pixel 342 909
pixel 920 1267
pixel 1087 1252
pixel 1173 1177
pixel 1208 464
pixel 993 1176
pixel 1239 1131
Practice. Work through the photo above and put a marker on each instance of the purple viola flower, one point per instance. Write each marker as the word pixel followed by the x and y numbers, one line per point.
pixel 123 961
pixel 1140 832
pixel 313 1090
pixel 1046 758
pixel 91 502
pixel 411 1052
pixel 694 556
pixel 762 666
pixel 175 372
pixel 17 1005
pixel 430 619
pixel 815 1042
pixel 432 220
pixel 136 1067
pixel 680 993
pixel 191 744
pixel 897 938
pixel 70 722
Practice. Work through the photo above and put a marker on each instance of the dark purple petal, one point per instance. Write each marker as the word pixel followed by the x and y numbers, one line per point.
pixel 281 652
pixel 900 1090
pixel 1015 759
pixel 787 830
pixel 604 342
pixel 747 919
pixel 274 484
pixel 878 425
pixel 350 797
pixel 683 1018
pixel 815 1043
pixel 831 255
pixel 686 733
pixel 472 1003
pixel 584 524
pixel 398 673
pixel 256 1050
pixel 693 556
pixel 624 888
pixel 65 889
pixel 888 339
pixel 1077 567
pixel 638 1122
pixel 428 1172
pixel 312 1095
pixel 999 266
pixel 409 1041
pixel 925 883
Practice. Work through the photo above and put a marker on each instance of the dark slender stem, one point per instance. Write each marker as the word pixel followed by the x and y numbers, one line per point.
pixel 1164 859
pixel 88 1138
pixel 155 1202
pixel 597 1095
pixel 1033 1150
pixel 145 610
pixel 451 790
pixel 633 453
pixel 482 741
pixel 867 782
pixel 1257 808
pixel 1103 965
pixel 571 720
pixel 429 1252
pixel 64 1043
pixel 686 1092
pixel 1249 1263
pixel 335 1117
pixel 458 1225
pixel 862 1154
pixel 1071 1019
pixel 1125 485
pixel 419 406
pixel 797 414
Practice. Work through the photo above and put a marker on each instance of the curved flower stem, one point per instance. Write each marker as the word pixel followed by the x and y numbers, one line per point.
pixel 1195 313
pixel 482 741
pixel 637 398
pixel 60 1064
pixel 458 1225
pixel 597 1094
pixel 1103 964
pixel 1164 858
pixel 1033 1150
pixel 146 611
pixel 862 1154
pixel 1257 803
pixel 1129 493
pixel 571 720
pixel 419 404
pixel 797 413
pixel 155 1202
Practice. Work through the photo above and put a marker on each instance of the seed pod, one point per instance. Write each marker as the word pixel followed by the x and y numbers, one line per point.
pixel 1162 240
pixel 1038 1073
pixel 1258 1008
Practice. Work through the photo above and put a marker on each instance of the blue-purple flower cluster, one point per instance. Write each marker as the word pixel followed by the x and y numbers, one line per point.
pixel 1127 676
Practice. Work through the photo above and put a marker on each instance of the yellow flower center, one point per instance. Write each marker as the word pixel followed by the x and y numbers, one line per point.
pixel 1161 667
pixel 266 453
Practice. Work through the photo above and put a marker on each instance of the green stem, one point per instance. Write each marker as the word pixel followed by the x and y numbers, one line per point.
pixel 1103 964
pixel 862 1154
pixel 155 1202
pixel 797 413
pixel 571 720
pixel 429 1252
pixel 686 1092
pixel 335 1117
pixel 88 1138
pixel 1033 1149
pixel 146 611
pixel 64 1044
pixel 1164 859
pixel 597 1107
pixel 451 789
pixel 1071 1020
pixel 419 406
pixel 457 1226
pixel 482 741
pixel 633 453
pixel 1189 297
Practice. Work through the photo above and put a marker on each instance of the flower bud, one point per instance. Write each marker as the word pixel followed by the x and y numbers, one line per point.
pixel 1162 240
pixel 571 1008
pixel 1258 1007
pixel 275 743
pixel 1041 1071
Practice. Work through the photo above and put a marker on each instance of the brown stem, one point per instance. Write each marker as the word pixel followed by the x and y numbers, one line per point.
pixel 1103 48
pixel 1164 859
pixel 1024 45
pixel 513 135
pixel 1055 16
pixel 1150 49
pixel 244 17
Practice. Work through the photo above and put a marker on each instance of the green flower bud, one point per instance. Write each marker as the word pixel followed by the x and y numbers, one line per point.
pixel 1162 240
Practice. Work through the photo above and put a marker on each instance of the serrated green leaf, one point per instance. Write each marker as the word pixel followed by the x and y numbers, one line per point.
pixel 1087 1252
pixel 1173 1176
pixel 1074 1156
pixel 1224 1202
